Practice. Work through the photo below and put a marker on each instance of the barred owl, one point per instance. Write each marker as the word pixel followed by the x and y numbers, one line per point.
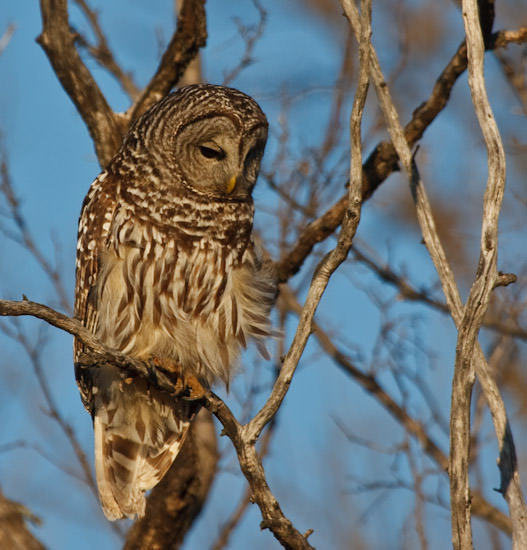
pixel 167 272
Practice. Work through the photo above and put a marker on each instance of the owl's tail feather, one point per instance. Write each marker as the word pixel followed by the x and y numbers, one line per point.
pixel 138 434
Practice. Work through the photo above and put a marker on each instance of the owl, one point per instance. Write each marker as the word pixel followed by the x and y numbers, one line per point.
pixel 167 272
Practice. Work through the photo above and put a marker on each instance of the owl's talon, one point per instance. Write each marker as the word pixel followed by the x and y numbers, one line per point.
pixel 152 365
pixel 194 389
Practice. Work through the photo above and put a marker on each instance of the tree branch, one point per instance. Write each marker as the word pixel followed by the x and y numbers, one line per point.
pixel 102 53
pixel 507 464
pixel 474 311
pixel 58 41
pixel 409 292
pixel 250 464
pixel 190 36
pixel 105 126
pixel 328 265
pixel 14 532
pixel 480 506
pixel 383 160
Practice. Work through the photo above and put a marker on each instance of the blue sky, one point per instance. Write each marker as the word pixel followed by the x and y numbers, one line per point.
pixel 52 163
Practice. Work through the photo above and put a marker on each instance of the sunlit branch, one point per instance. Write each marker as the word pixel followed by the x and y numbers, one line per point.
pixel 250 462
pixel 383 160
pixel 409 292
pixel 102 53
pixel 510 483
pixel 480 506
pixel 327 266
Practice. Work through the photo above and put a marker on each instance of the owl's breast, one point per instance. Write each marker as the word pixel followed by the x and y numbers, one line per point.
pixel 196 302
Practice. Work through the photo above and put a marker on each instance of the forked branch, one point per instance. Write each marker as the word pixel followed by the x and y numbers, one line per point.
pixel 466 356
pixel 383 160
pixel 106 127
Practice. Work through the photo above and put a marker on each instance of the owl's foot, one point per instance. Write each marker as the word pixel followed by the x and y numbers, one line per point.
pixel 187 386
pixel 194 389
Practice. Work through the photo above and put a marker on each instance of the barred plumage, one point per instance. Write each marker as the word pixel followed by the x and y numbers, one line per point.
pixel 166 271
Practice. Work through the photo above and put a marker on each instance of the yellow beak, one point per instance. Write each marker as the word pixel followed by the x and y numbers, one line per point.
pixel 231 184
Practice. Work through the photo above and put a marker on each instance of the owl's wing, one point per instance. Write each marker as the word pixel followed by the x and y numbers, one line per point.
pixel 95 224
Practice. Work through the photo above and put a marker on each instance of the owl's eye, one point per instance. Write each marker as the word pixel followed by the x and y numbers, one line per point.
pixel 212 152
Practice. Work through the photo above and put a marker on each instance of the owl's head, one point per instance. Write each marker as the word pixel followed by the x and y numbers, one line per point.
pixel 210 138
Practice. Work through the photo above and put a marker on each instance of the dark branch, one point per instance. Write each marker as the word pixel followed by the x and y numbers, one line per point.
pixel 102 53
pixel 58 41
pixel 383 160
pixel 14 532
pixel 190 36
pixel 250 463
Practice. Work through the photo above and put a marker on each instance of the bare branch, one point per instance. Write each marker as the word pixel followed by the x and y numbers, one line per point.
pixel 251 35
pixel 250 463
pixel 25 238
pixel 14 532
pixel 477 303
pixel 409 292
pixel 508 467
pixel 58 41
pixel 6 37
pixel 327 266
pixel 223 537
pixel 480 506
pixel 383 160
pixel 106 127
pixel 34 353
pixel 102 52
pixel 251 466
pixel 75 328
pixel 190 36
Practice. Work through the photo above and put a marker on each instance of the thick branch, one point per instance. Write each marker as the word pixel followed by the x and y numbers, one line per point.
pixel 508 466
pixel 106 127
pixel 14 532
pixel 250 464
pixel 177 500
pixel 58 41
pixel 190 36
pixel 383 160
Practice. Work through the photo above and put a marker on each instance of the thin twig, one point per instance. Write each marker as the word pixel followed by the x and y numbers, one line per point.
pixel 102 53
pixel 409 292
pixel 190 36
pixel 383 160
pixel 6 37
pixel 250 34
pixel 510 482
pixel 369 382
pixel 25 238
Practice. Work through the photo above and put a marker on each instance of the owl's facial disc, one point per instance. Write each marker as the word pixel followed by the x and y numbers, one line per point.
pixel 217 158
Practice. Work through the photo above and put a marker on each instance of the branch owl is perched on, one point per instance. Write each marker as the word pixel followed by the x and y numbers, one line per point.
pixel 167 273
